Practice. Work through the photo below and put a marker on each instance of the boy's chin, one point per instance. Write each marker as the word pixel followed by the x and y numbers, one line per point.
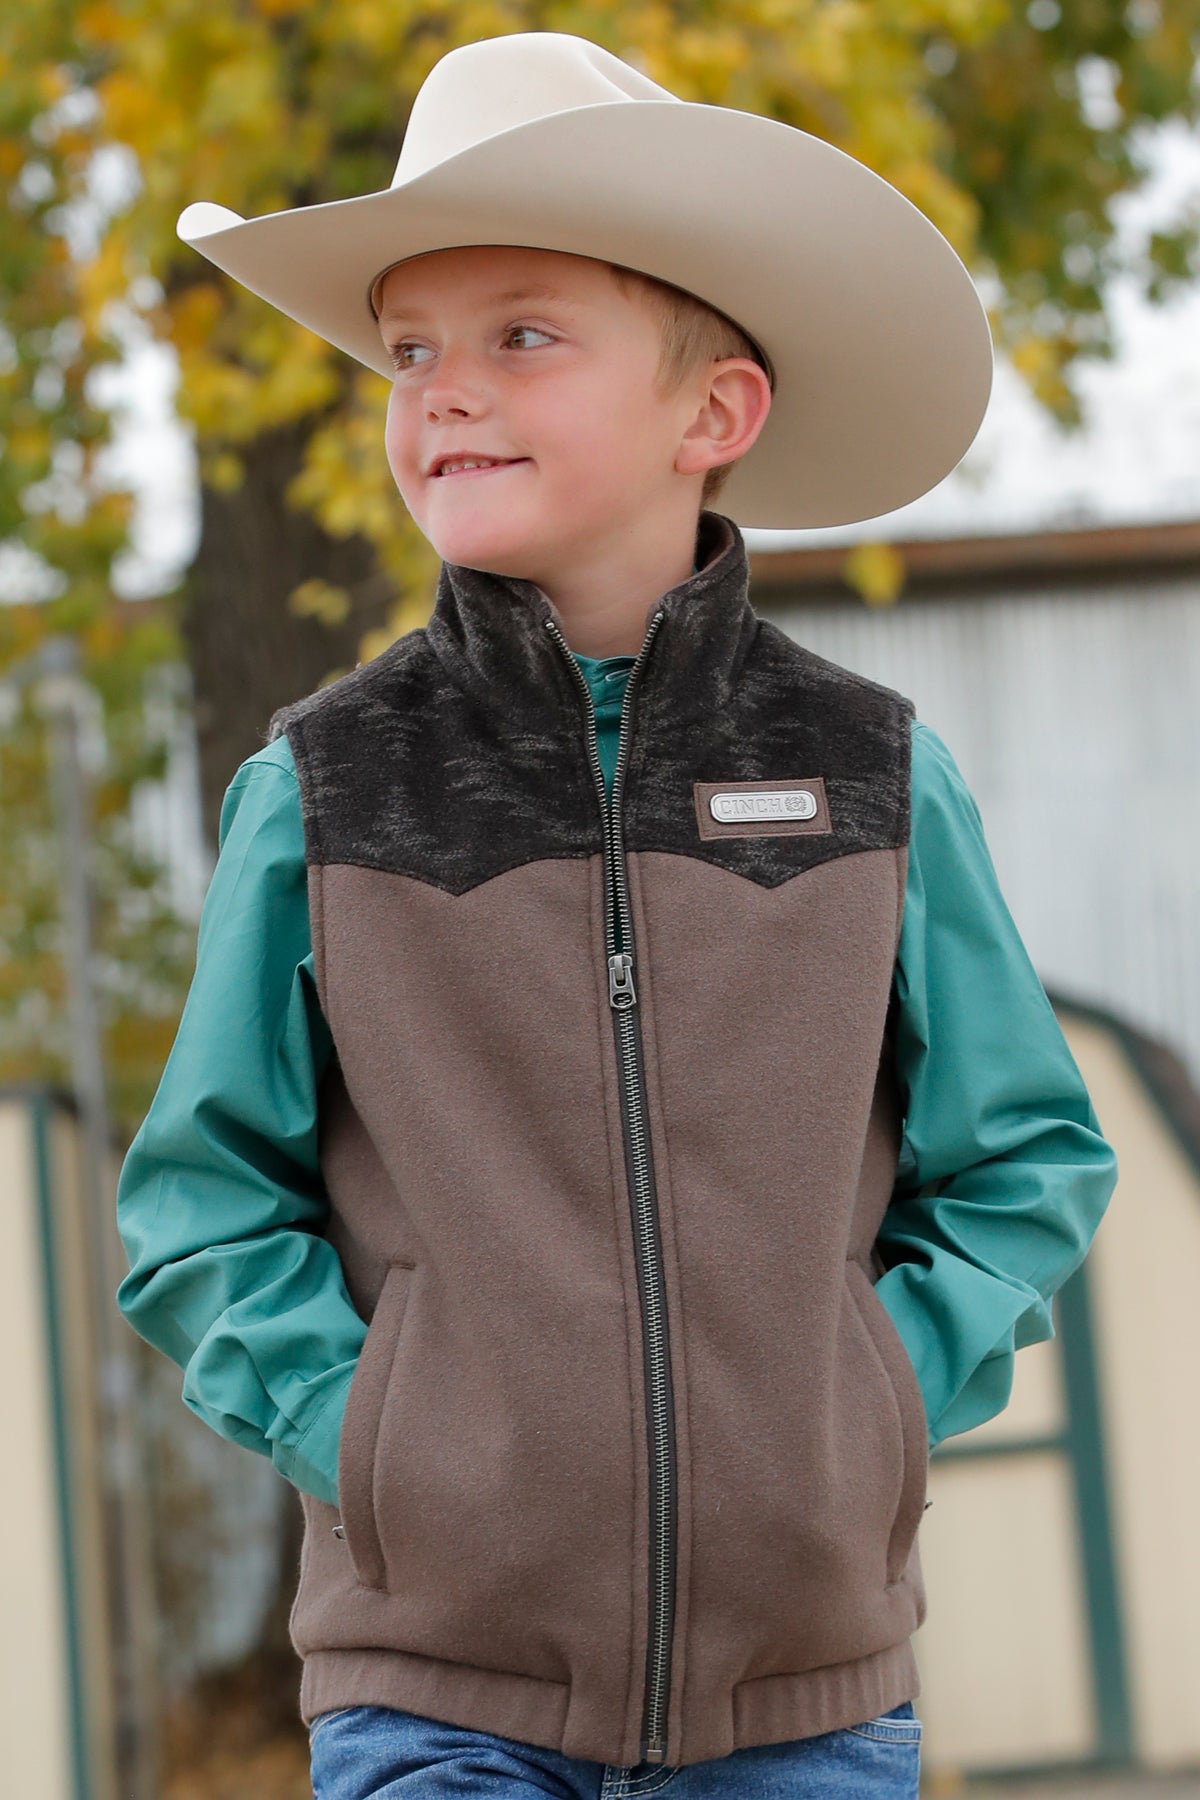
pixel 503 546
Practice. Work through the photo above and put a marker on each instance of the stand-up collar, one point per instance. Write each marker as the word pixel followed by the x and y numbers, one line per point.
pixel 490 633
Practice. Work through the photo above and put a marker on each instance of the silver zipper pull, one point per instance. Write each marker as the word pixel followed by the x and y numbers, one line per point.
pixel 621 991
pixel 339 1530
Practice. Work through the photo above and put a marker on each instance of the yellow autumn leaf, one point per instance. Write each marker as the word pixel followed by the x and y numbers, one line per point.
pixel 876 571
pixel 371 643
pixel 223 470
pixel 320 600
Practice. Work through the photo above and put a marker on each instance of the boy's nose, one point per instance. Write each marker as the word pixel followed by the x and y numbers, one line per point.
pixel 434 411
pixel 455 387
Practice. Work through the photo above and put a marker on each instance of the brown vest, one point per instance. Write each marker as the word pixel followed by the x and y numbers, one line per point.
pixel 633 1460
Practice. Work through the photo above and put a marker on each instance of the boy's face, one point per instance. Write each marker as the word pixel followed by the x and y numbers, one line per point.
pixel 537 358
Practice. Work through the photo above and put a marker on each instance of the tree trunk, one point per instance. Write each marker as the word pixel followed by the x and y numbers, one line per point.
pixel 248 653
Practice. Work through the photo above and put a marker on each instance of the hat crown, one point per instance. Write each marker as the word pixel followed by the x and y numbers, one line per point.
pixel 482 89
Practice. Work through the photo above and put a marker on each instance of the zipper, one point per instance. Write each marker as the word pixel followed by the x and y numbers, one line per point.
pixel 639 1168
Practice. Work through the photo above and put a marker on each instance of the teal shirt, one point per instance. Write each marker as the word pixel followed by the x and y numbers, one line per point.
pixel 1002 1179
pixel 606 678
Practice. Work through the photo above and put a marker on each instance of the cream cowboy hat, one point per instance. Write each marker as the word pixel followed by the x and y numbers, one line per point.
pixel 877 340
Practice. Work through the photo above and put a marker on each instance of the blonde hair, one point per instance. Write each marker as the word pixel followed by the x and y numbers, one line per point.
pixel 693 334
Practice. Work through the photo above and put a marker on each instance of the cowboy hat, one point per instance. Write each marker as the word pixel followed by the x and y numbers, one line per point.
pixel 870 324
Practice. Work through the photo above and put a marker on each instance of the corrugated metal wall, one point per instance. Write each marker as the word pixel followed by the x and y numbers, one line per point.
pixel 1075 719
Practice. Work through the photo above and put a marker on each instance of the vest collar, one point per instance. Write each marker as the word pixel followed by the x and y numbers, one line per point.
pixel 489 632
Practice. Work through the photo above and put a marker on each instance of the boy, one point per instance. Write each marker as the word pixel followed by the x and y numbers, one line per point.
pixel 615 1129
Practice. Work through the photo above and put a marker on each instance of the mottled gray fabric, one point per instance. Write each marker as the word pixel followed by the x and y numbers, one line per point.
pixel 460 750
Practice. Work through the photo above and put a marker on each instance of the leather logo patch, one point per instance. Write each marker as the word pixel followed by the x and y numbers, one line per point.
pixel 761 808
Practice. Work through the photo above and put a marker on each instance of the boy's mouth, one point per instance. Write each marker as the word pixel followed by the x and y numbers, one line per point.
pixel 464 466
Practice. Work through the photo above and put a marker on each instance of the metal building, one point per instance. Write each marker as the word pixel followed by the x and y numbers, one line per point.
pixel 1062 670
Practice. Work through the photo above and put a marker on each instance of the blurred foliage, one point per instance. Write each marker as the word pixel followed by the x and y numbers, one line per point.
pixel 876 570
pixel 1013 129
pixel 146 950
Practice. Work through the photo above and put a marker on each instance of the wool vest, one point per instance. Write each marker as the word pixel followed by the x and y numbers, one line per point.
pixel 633 1459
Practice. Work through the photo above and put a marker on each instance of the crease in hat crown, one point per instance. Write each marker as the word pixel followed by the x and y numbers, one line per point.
pixel 480 90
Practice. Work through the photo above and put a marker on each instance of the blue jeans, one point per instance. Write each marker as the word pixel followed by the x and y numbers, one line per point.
pixel 380 1753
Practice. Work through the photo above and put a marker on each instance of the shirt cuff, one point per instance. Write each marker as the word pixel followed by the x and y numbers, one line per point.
pixel 311 1462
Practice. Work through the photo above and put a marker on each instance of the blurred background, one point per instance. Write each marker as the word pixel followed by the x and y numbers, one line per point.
pixel 197 524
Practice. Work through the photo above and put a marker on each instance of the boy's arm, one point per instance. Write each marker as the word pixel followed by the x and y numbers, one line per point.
pixel 220 1201
pixel 1003 1173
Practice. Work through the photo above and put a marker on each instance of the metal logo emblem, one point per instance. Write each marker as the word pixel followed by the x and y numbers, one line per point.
pixel 793 803
pixel 765 807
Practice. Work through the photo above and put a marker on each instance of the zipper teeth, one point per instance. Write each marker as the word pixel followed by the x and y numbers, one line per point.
pixel 655 1314
pixel 623 736
pixel 643 1195
pixel 608 815
pixel 598 779
pixel 659 1392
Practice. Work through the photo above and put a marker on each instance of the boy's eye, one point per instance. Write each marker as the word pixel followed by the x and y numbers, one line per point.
pixel 521 330
pixel 399 352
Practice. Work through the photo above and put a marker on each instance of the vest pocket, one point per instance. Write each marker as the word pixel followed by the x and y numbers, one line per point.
pixel 359 1444
pixel 910 1403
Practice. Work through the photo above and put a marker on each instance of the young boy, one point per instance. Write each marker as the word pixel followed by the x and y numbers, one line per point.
pixel 615 1129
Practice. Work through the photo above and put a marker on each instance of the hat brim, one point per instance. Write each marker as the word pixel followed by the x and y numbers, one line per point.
pixel 879 341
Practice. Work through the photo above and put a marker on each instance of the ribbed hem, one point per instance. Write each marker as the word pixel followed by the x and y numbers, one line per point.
pixel 776 1708
pixel 771 1709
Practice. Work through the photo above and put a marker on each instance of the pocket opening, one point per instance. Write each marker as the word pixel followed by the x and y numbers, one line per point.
pixel 910 1406
pixel 362 1421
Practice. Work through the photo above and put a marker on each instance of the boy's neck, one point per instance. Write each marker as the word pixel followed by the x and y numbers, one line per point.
pixel 603 607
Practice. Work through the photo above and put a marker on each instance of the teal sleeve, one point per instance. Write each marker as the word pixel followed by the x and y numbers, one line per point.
pixel 220 1202
pixel 1003 1174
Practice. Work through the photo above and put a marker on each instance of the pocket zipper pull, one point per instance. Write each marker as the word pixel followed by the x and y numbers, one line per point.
pixel 339 1530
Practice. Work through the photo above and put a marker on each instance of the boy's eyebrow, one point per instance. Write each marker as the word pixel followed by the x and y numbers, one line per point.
pixel 532 290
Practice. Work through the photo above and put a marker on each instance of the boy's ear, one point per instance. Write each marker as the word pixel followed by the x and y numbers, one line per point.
pixel 732 413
